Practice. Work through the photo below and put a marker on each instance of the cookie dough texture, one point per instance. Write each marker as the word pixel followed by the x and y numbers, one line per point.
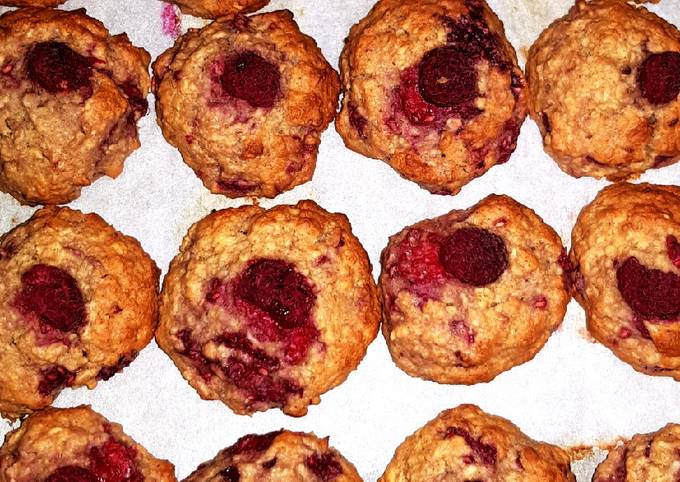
pixel 384 114
pixel 76 437
pixel 441 329
pixel 273 352
pixel 56 139
pixel 218 8
pixel 623 221
pixel 117 284
pixel 237 148
pixel 465 444
pixel 281 456
pixel 585 96
pixel 646 457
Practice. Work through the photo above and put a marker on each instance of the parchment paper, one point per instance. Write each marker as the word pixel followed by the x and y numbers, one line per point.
pixel 574 393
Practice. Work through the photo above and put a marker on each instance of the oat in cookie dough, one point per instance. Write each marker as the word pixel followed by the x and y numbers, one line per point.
pixel 218 8
pixel 78 301
pixel 280 456
pixel 268 308
pixel 465 444
pixel 433 88
pixel 77 445
pixel 70 98
pixel 651 457
pixel 245 101
pixel 626 274
pixel 604 85
pixel 472 293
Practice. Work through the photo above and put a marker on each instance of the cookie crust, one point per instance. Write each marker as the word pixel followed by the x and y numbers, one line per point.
pixel 218 8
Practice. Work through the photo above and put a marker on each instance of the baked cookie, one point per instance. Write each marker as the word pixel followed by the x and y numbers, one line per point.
pixel 245 101
pixel 70 98
pixel 218 8
pixel 77 445
pixel 268 308
pixel 651 457
pixel 603 88
pixel 78 300
pixel 277 456
pixel 31 3
pixel 472 293
pixel 432 88
pixel 626 270
pixel 465 444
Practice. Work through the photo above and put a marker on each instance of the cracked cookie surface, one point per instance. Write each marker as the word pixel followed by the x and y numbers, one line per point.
pixel 70 98
pixel 472 293
pixel 268 308
pixel 219 8
pixel 604 85
pixel 78 301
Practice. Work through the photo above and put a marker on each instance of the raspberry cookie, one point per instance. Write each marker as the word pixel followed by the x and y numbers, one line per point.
pixel 245 101
pixel 626 258
pixel 77 445
pixel 603 86
pixel 432 88
pixel 70 98
pixel 645 458
pixel 268 308
pixel 466 444
pixel 218 8
pixel 31 3
pixel 472 293
pixel 277 456
pixel 78 300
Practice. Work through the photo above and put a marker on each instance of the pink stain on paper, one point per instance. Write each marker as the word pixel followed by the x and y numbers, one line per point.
pixel 171 20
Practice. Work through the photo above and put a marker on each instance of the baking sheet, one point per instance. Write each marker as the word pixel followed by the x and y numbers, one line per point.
pixel 574 393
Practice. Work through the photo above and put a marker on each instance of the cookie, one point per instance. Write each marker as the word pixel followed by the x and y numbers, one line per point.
pixel 218 8
pixel 77 445
pixel 31 3
pixel 465 444
pixel 277 456
pixel 603 88
pixel 245 101
pixel 472 293
pixel 268 308
pixel 432 88
pixel 626 271
pixel 78 301
pixel 645 458
pixel 70 98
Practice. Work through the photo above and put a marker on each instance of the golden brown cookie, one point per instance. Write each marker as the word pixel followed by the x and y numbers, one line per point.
pixel 77 445
pixel 268 308
pixel 245 101
pixel 70 98
pixel 465 444
pixel 472 293
pixel 651 457
pixel 432 88
pixel 31 3
pixel 218 8
pixel 78 301
pixel 626 270
pixel 281 456
pixel 603 88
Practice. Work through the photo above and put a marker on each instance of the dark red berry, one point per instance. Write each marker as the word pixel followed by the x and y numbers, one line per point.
pixel 650 293
pixel 193 350
pixel 237 187
pixel 250 77
pixel 72 473
pixel 123 362
pixel 471 35
pixel 230 474
pixel 673 250
pixel 356 120
pixel 659 77
pixel 57 68
pixel 418 258
pixel 482 452
pixel 447 77
pixel 114 462
pixel 53 379
pixel 474 256
pixel 253 443
pixel 53 296
pixel 325 466
pixel 279 290
pixel 137 101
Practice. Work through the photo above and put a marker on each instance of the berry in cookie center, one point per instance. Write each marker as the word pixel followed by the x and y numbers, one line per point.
pixel 659 77
pixel 53 297
pixel 72 473
pixel 474 256
pixel 250 77
pixel 651 293
pixel 56 67
pixel 447 77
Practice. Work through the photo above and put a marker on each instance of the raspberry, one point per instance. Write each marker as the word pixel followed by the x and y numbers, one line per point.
pixel 115 462
pixel 418 259
pixel 447 77
pixel 356 120
pixel 72 473
pixel 57 68
pixel 253 443
pixel 250 77
pixel 659 77
pixel 53 379
pixel 650 293
pixel 324 466
pixel 485 453
pixel 673 250
pixel 474 256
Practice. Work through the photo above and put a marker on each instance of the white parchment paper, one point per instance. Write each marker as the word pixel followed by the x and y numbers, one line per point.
pixel 575 392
